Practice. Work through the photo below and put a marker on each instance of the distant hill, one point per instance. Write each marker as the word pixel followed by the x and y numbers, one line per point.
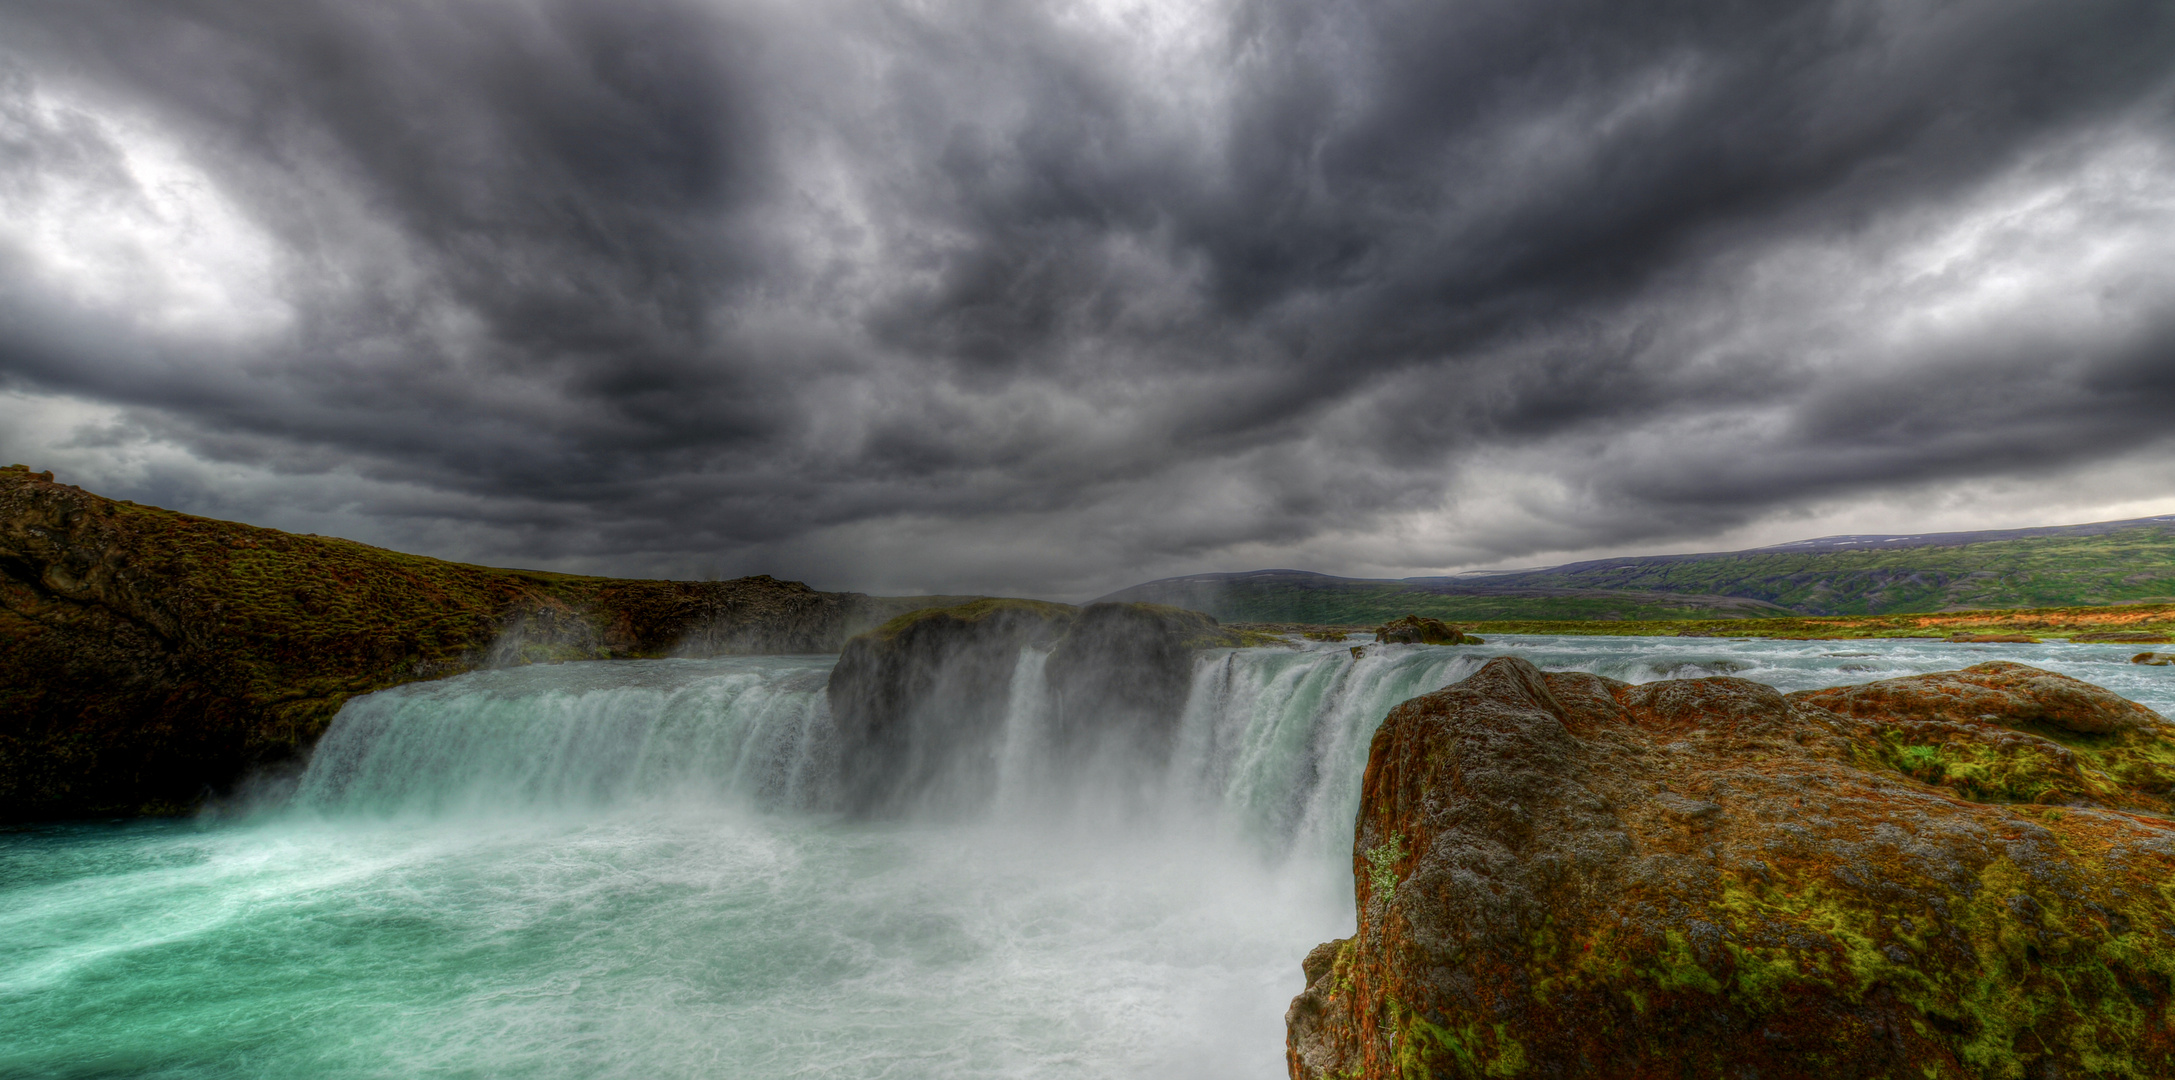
pixel 2113 562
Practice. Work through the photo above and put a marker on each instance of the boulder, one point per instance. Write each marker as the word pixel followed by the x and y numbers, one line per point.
pixel 2156 659
pixel 1562 875
pixel 1418 630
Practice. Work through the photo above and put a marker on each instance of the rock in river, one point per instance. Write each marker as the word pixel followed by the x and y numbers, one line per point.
pixel 1562 875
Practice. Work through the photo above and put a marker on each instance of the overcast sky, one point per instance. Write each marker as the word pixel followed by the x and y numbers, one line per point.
pixel 1052 298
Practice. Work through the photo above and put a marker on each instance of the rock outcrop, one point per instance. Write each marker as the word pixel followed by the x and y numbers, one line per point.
pixel 1120 678
pixel 919 704
pixel 1561 875
pixel 1418 630
pixel 148 659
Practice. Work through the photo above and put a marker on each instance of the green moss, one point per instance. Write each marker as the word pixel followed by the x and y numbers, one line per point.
pixel 1421 1050
pixel 2121 769
pixel 2026 977
pixel 1382 860
pixel 976 611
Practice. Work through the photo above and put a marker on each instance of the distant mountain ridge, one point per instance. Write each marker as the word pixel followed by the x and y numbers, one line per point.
pixel 2108 562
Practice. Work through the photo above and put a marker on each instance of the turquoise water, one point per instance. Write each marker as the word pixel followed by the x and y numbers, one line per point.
pixel 628 869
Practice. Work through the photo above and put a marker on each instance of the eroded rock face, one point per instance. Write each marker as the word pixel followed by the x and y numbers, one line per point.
pixel 919 704
pixel 1563 875
pixel 1120 677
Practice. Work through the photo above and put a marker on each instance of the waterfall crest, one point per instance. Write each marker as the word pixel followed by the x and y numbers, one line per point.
pixel 1273 740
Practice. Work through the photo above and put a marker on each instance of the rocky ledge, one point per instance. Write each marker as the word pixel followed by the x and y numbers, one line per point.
pixel 1968 874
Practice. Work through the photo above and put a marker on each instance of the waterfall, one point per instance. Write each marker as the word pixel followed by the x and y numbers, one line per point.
pixel 566 736
pixel 1277 738
pixel 1273 741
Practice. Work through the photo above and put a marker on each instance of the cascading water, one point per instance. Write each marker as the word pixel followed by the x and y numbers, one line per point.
pixel 641 869
pixel 582 735
pixel 1271 741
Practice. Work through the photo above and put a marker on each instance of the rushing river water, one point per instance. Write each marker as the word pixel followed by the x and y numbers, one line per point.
pixel 629 869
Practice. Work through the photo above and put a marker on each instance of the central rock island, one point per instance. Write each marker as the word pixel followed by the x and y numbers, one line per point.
pixel 1968 874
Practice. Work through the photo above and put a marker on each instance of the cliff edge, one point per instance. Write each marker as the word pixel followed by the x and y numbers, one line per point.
pixel 1562 875
pixel 148 658
pixel 920 703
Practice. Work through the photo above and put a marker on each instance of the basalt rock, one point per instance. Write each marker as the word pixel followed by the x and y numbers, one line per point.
pixel 1120 677
pixel 148 659
pixel 1561 875
pixel 1418 630
pixel 919 704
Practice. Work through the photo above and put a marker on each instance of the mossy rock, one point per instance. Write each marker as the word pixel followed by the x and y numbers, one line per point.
pixel 1418 630
pixel 1559 874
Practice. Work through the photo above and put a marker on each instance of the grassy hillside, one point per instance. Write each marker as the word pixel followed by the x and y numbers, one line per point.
pixel 2143 623
pixel 2127 566
pixel 2117 563
pixel 1290 596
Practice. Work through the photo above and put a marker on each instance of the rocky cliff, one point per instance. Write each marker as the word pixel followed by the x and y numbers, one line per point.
pixel 919 704
pixel 1561 875
pixel 149 658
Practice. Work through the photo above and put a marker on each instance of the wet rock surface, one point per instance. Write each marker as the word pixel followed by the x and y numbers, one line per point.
pixel 919 704
pixel 1562 875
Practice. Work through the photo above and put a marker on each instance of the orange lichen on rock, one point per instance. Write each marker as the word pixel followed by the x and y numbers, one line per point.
pixel 1563 875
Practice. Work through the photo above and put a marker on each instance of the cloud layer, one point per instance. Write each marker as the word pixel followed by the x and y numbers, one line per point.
pixel 1051 298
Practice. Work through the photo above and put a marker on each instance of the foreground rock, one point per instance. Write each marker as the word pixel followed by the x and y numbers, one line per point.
pixel 148 659
pixel 919 704
pixel 1562 875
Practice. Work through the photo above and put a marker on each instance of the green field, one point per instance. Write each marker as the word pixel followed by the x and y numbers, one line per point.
pixel 2135 565
pixel 2123 564
pixel 1372 603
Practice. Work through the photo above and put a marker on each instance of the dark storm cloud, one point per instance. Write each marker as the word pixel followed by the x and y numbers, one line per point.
pixel 1040 298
